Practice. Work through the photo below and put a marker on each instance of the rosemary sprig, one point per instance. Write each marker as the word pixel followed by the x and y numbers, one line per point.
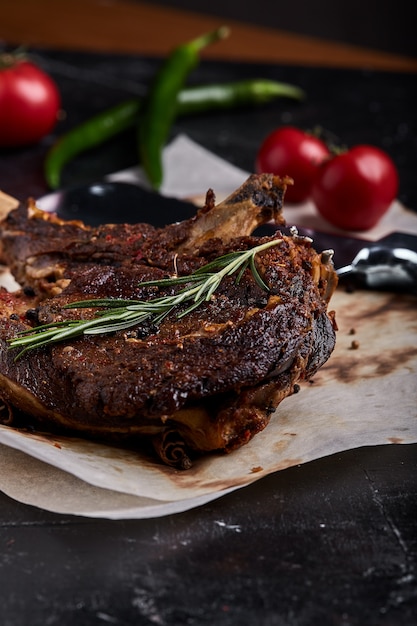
pixel 120 314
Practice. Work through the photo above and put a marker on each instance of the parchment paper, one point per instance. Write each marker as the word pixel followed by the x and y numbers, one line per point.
pixel 365 395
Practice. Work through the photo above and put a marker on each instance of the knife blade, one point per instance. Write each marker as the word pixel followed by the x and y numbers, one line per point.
pixel 115 202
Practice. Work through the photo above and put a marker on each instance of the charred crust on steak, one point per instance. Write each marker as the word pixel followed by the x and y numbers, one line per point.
pixel 207 382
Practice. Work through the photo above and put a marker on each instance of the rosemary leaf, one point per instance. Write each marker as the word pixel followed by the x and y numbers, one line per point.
pixel 193 306
pixel 256 274
pixel 108 303
pixel 119 314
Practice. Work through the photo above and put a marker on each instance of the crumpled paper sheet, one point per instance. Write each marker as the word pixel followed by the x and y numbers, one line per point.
pixel 365 395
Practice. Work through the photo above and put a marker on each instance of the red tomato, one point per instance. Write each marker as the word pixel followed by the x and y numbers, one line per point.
pixel 29 102
pixel 354 189
pixel 293 152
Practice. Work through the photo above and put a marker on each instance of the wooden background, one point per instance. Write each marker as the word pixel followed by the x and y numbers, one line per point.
pixel 149 29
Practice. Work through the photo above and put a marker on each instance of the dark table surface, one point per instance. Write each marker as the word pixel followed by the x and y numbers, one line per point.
pixel 332 542
pixel 329 542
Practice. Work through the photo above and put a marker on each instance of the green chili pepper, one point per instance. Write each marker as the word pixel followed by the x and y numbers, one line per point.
pixel 234 94
pixel 91 133
pixel 191 100
pixel 160 107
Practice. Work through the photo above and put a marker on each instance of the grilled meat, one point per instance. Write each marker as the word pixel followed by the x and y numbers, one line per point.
pixel 208 381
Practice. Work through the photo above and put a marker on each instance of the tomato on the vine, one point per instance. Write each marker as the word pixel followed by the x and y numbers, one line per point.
pixel 354 189
pixel 295 153
pixel 29 102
